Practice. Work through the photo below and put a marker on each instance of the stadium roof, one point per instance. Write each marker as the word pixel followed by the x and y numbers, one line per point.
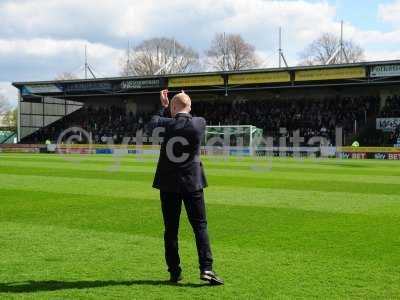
pixel 362 73
pixel 116 78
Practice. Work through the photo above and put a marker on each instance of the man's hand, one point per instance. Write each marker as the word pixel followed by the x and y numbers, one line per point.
pixel 164 98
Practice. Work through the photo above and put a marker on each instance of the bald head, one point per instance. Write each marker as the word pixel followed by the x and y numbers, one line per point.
pixel 180 103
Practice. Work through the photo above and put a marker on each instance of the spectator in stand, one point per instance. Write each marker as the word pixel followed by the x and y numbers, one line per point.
pixel 391 108
pixel 313 117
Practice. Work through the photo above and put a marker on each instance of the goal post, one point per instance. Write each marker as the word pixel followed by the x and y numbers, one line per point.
pixel 231 139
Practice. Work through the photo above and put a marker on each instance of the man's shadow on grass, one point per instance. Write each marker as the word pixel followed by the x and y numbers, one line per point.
pixel 54 285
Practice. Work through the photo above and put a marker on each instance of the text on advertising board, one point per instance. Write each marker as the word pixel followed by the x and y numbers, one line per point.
pixel 267 77
pixel 385 70
pixel 329 74
pixel 140 84
pixel 387 124
pixel 195 81
pixel 40 88
pixel 88 86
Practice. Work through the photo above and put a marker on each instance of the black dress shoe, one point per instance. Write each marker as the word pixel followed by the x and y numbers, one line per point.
pixel 211 277
pixel 175 276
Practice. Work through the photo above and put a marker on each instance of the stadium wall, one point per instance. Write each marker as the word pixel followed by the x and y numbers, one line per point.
pixel 381 153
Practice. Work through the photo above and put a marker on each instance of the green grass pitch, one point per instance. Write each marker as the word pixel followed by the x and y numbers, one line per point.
pixel 91 228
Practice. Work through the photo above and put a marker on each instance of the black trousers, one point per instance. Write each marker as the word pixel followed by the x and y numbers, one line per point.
pixel 171 204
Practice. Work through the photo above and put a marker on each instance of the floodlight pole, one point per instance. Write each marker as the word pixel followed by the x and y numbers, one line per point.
pixel 91 71
pixel 339 51
pixel 224 54
pixel 341 42
pixel 87 66
pixel 280 45
pixel 128 59
pixel 284 60
pixel 280 51
pixel 174 56
pixel 163 67
pixel 86 62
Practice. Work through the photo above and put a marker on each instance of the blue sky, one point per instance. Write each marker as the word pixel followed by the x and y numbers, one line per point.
pixel 362 14
pixel 40 39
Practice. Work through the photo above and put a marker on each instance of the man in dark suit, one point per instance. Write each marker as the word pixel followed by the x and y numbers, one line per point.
pixel 180 176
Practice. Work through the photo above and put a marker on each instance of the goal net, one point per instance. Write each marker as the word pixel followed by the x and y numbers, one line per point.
pixel 231 139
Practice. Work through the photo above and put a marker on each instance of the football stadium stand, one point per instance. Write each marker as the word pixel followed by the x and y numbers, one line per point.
pixel 362 99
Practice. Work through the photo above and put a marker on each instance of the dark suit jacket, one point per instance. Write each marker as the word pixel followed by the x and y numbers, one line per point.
pixel 186 175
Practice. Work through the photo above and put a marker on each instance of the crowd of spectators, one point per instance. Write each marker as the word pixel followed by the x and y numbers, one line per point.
pixel 391 108
pixel 112 122
pixel 313 117
pixel 103 124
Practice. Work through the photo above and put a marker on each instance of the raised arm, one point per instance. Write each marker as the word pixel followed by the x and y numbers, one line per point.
pixel 163 118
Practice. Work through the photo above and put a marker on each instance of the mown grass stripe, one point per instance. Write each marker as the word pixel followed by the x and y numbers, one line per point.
pixel 283 173
pixel 276 182
pixel 78 234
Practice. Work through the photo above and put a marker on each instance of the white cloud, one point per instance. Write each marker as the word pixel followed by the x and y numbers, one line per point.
pixel 130 19
pixel 192 22
pixel 44 58
pixel 41 38
pixel 60 19
pixel 377 38
pixel 50 47
pixel 9 92
pixel 378 55
pixel 390 12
